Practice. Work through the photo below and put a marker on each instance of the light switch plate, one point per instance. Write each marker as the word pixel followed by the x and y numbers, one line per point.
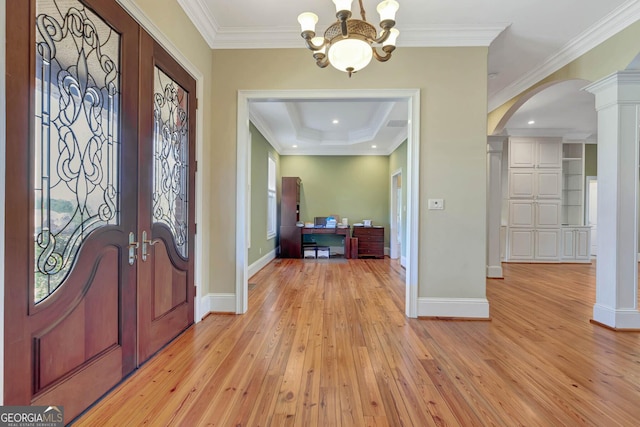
pixel 437 204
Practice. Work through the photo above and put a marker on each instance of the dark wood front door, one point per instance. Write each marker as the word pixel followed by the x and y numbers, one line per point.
pixel 82 309
pixel 166 289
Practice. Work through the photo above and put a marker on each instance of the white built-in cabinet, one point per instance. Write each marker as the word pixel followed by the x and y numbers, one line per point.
pixel 545 196
pixel 576 244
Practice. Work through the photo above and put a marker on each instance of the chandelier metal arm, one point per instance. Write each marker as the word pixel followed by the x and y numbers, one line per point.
pixel 386 49
pixel 386 31
pixel 308 39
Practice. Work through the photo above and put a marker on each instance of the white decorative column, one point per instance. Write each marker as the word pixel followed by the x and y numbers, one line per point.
pixel 618 106
pixel 494 204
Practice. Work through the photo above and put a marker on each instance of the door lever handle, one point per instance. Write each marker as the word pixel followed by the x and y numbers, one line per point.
pixel 133 246
pixel 146 242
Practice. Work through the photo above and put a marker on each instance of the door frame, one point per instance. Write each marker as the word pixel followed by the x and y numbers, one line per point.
pixel 394 251
pixel 201 307
pixel 411 96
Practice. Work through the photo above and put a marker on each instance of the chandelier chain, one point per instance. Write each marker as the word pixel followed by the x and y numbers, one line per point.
pixel 362 12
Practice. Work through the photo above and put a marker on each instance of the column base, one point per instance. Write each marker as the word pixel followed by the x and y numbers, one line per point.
pixel 494 272
pixel 616 319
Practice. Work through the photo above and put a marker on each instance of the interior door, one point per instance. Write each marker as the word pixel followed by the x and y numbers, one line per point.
pixel 166 229
pixel 72 87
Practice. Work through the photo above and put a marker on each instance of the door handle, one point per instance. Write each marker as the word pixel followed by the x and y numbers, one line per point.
pixel 133 246
pixel 146 242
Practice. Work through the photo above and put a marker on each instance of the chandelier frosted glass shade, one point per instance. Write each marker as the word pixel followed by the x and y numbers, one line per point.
pixel 349 44
pixel 350 54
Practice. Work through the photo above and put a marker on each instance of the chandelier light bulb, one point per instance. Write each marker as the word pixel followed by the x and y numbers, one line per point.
pixel 308 21
pixel 391 40
pixel 342 5
pixel 387 10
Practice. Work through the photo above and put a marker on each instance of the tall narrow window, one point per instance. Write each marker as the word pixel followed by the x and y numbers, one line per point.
pixel 271 198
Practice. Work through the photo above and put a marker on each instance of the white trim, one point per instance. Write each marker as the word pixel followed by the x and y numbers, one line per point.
pixel 261 263
pixel 202 18
pixel 3 139
pixel 494 272
pixel 218 303
pixel 472 308
pixel 403 261
pixel 607 27
pixel 412 96
pixel 393 210
pixel 619 319
pixel 164 41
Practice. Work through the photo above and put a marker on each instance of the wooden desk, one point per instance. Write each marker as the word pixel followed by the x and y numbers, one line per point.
pixel 346 232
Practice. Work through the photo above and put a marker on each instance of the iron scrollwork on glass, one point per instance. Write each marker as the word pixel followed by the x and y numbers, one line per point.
pixel 76 142
pixel 171 158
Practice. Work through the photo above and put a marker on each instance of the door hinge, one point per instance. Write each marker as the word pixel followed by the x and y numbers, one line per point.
pixel 196 103
pixel 195 228
pixel 196 166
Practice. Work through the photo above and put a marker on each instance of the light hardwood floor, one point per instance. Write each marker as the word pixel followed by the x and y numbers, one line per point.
pixel 328 344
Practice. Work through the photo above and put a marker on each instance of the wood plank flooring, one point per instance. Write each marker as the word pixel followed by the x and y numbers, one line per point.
pixel 328 344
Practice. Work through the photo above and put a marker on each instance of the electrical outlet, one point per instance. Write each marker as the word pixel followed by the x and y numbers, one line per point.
pixel 437 204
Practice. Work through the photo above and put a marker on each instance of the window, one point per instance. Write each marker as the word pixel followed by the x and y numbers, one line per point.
pixel 271 198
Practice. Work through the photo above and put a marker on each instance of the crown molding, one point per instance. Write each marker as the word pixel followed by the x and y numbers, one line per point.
pixel 263 127
pixel 607 27
pixel 202 18
pixel 289 37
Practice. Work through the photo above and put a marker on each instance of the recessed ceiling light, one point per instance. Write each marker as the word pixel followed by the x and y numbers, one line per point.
pixel 532 122
pixel 374 146
pixel 295 146
pixel 335 121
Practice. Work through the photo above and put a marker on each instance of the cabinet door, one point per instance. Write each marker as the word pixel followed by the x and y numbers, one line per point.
pixel 521 244
pixel 549 154
pixel 522 183
pixel 547 213
pixel 568 243
pixel 522 153
pixel 548 184
pixel 547 244
pixel 582 243
pixel 521 213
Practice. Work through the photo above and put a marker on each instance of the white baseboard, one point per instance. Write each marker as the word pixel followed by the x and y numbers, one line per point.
pixel 494 271
pixel 259 264
pixel 474 308
pixel 218 303
pixel 387 251
pixel 403 261
pixel 616 318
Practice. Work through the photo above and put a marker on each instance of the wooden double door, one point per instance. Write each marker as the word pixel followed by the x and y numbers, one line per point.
pixel 99 270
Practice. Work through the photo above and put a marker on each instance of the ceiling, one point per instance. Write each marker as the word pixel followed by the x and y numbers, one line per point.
pixel 527 40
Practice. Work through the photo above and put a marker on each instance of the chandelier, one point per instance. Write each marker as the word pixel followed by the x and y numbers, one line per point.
pixel 349 44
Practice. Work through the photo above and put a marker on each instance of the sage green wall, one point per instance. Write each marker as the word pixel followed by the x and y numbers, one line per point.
pixel 355 187
pixel 590 160
pixel 260 149
pixel 398 161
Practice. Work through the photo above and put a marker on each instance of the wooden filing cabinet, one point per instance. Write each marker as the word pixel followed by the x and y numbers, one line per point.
pixel 370 241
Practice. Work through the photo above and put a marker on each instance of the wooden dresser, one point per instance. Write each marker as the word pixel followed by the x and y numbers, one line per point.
pixel 370 241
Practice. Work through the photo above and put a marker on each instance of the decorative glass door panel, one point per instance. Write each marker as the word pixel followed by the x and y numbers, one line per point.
pixel 76 138
pixel 171 158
